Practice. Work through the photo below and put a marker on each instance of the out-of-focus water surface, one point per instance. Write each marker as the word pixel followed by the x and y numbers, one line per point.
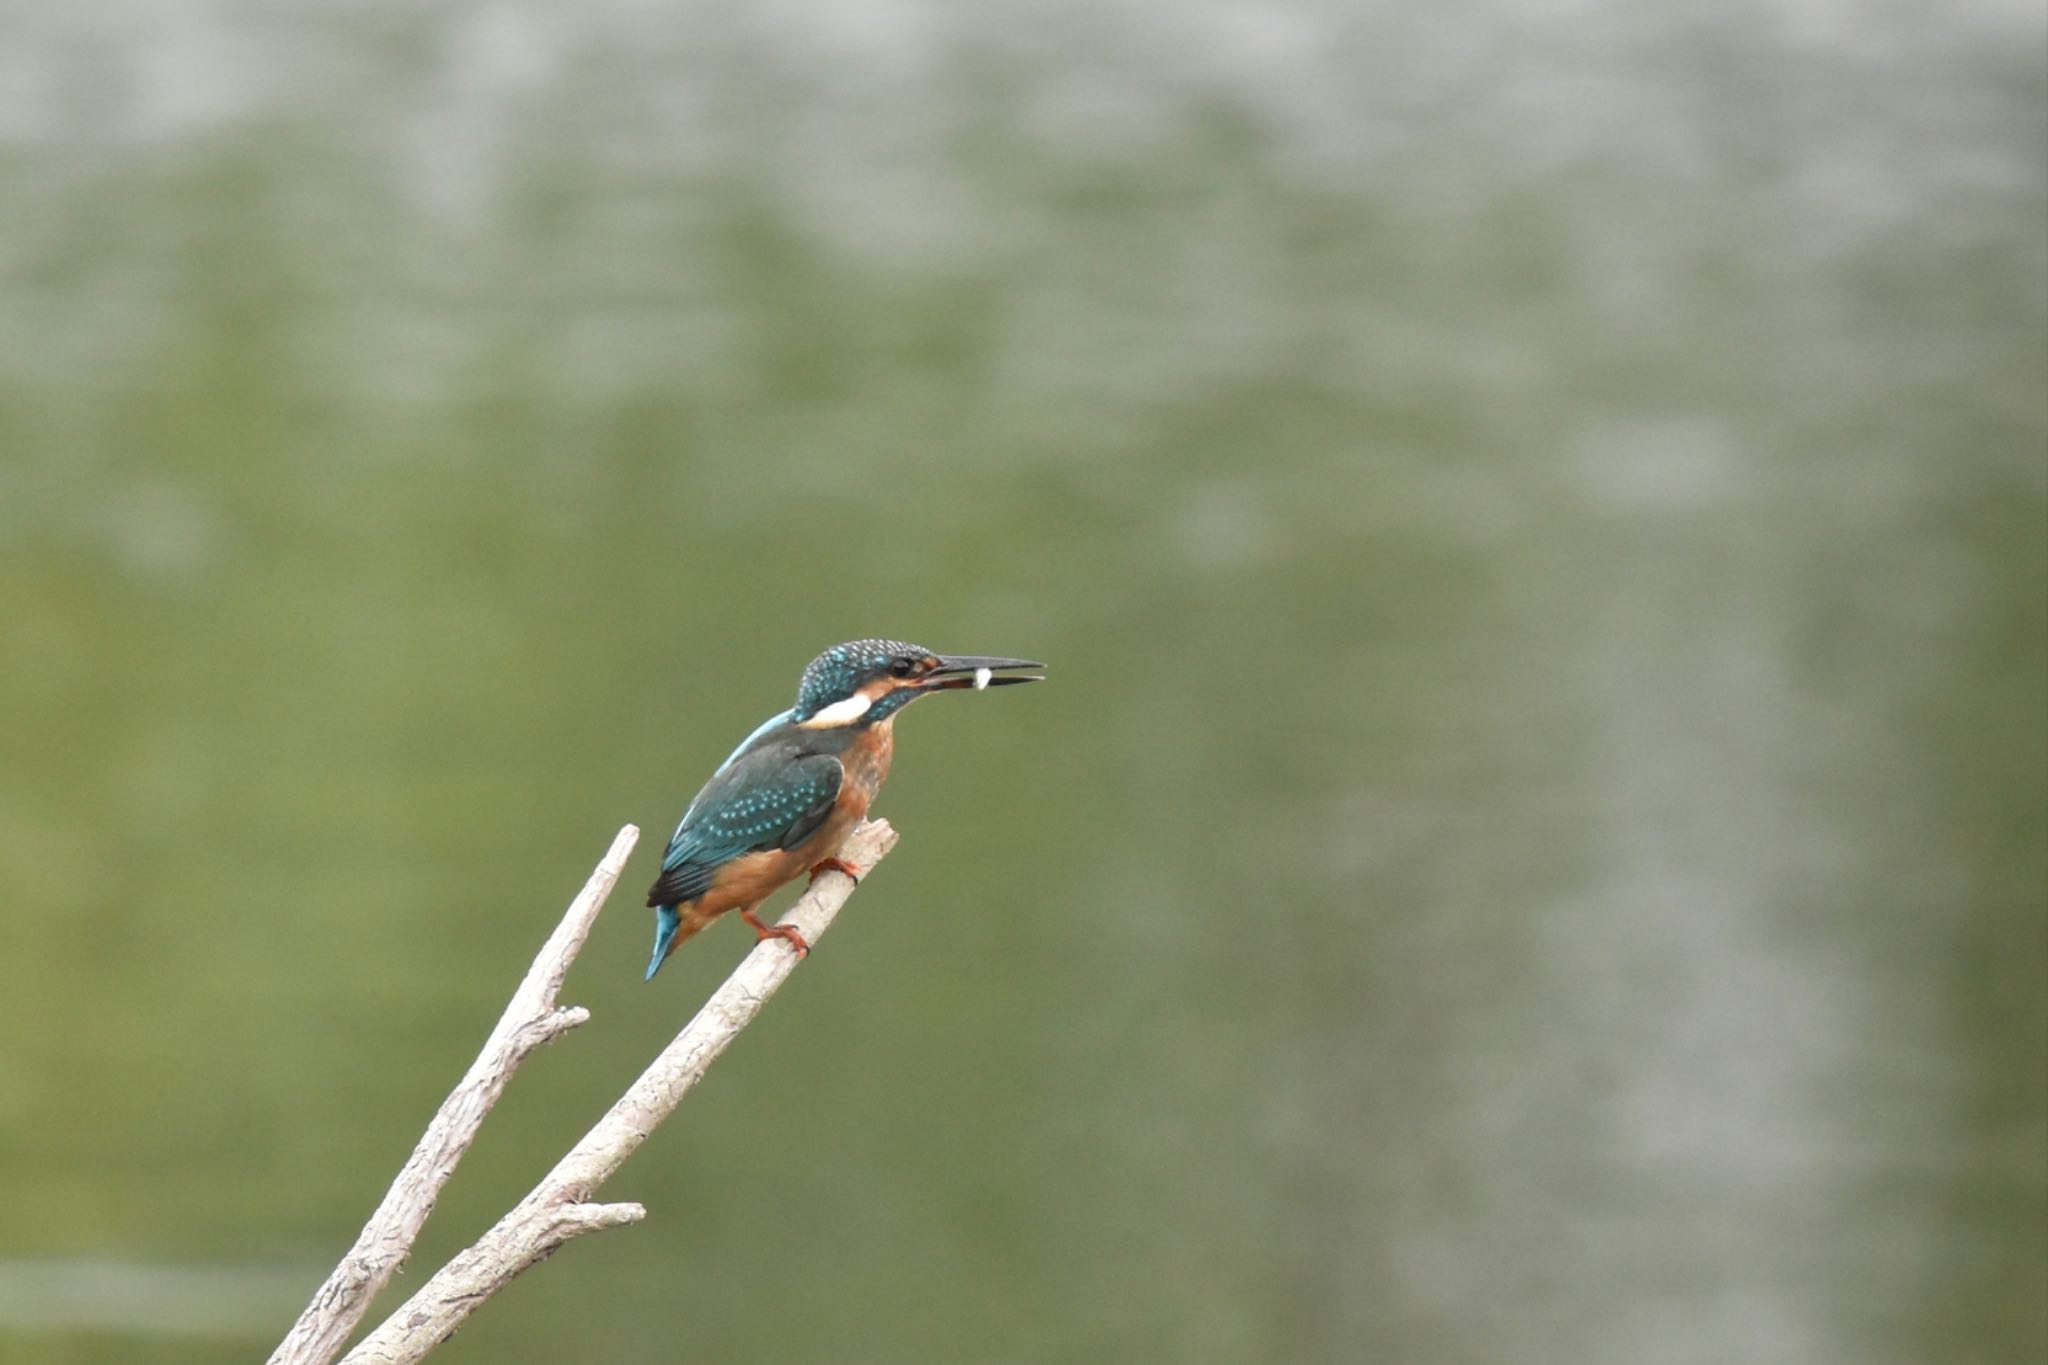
pixel 1533 851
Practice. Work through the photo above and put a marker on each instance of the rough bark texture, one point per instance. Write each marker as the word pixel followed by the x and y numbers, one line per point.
pixel 560 1207
pixel 530 1019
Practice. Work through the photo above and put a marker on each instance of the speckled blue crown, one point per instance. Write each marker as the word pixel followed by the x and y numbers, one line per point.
pixel 833 675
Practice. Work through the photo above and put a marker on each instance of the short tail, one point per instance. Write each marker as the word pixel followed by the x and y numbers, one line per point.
pixel 670 929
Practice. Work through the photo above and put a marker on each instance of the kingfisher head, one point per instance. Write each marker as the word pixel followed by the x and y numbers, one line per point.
pixel 865 681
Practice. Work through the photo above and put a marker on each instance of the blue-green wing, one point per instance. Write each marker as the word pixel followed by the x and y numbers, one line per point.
pixel 768 799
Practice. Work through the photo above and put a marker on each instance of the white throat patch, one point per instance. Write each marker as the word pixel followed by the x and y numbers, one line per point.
pixel 840 713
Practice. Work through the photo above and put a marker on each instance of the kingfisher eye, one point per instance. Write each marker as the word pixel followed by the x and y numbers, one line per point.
pixel 902 666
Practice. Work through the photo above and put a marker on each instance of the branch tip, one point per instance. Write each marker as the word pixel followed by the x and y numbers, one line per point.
pixel 593 1217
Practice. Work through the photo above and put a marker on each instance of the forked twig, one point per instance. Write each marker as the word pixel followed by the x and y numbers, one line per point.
pixel 560 1207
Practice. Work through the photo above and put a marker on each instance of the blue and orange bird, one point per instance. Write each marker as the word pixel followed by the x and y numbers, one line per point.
pixel 781 804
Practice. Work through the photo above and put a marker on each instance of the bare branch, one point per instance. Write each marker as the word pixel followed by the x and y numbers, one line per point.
pixel 530 1019
pixel 558 1208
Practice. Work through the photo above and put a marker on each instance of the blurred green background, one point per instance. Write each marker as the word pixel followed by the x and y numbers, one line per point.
pixel 1534 846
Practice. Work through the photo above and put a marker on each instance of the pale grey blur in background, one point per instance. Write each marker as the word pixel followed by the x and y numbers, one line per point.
pixel 1532 851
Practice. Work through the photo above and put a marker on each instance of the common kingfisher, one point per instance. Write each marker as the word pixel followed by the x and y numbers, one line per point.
pixel 783 801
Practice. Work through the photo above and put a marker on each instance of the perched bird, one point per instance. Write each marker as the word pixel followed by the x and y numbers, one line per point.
pixel 793 789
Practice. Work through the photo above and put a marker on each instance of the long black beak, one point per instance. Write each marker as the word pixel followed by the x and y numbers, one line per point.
pixel 978 671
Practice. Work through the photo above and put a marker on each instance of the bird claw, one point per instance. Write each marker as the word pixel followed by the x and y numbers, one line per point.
pixel 788 933
pixel 837 865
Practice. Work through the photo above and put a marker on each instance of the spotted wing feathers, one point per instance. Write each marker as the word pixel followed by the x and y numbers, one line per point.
pixel 767 799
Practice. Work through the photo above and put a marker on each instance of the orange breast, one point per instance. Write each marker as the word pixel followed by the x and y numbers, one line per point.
pixel 866 761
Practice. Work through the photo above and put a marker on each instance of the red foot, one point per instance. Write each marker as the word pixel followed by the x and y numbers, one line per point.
pixel 785 932
pixel 837 865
